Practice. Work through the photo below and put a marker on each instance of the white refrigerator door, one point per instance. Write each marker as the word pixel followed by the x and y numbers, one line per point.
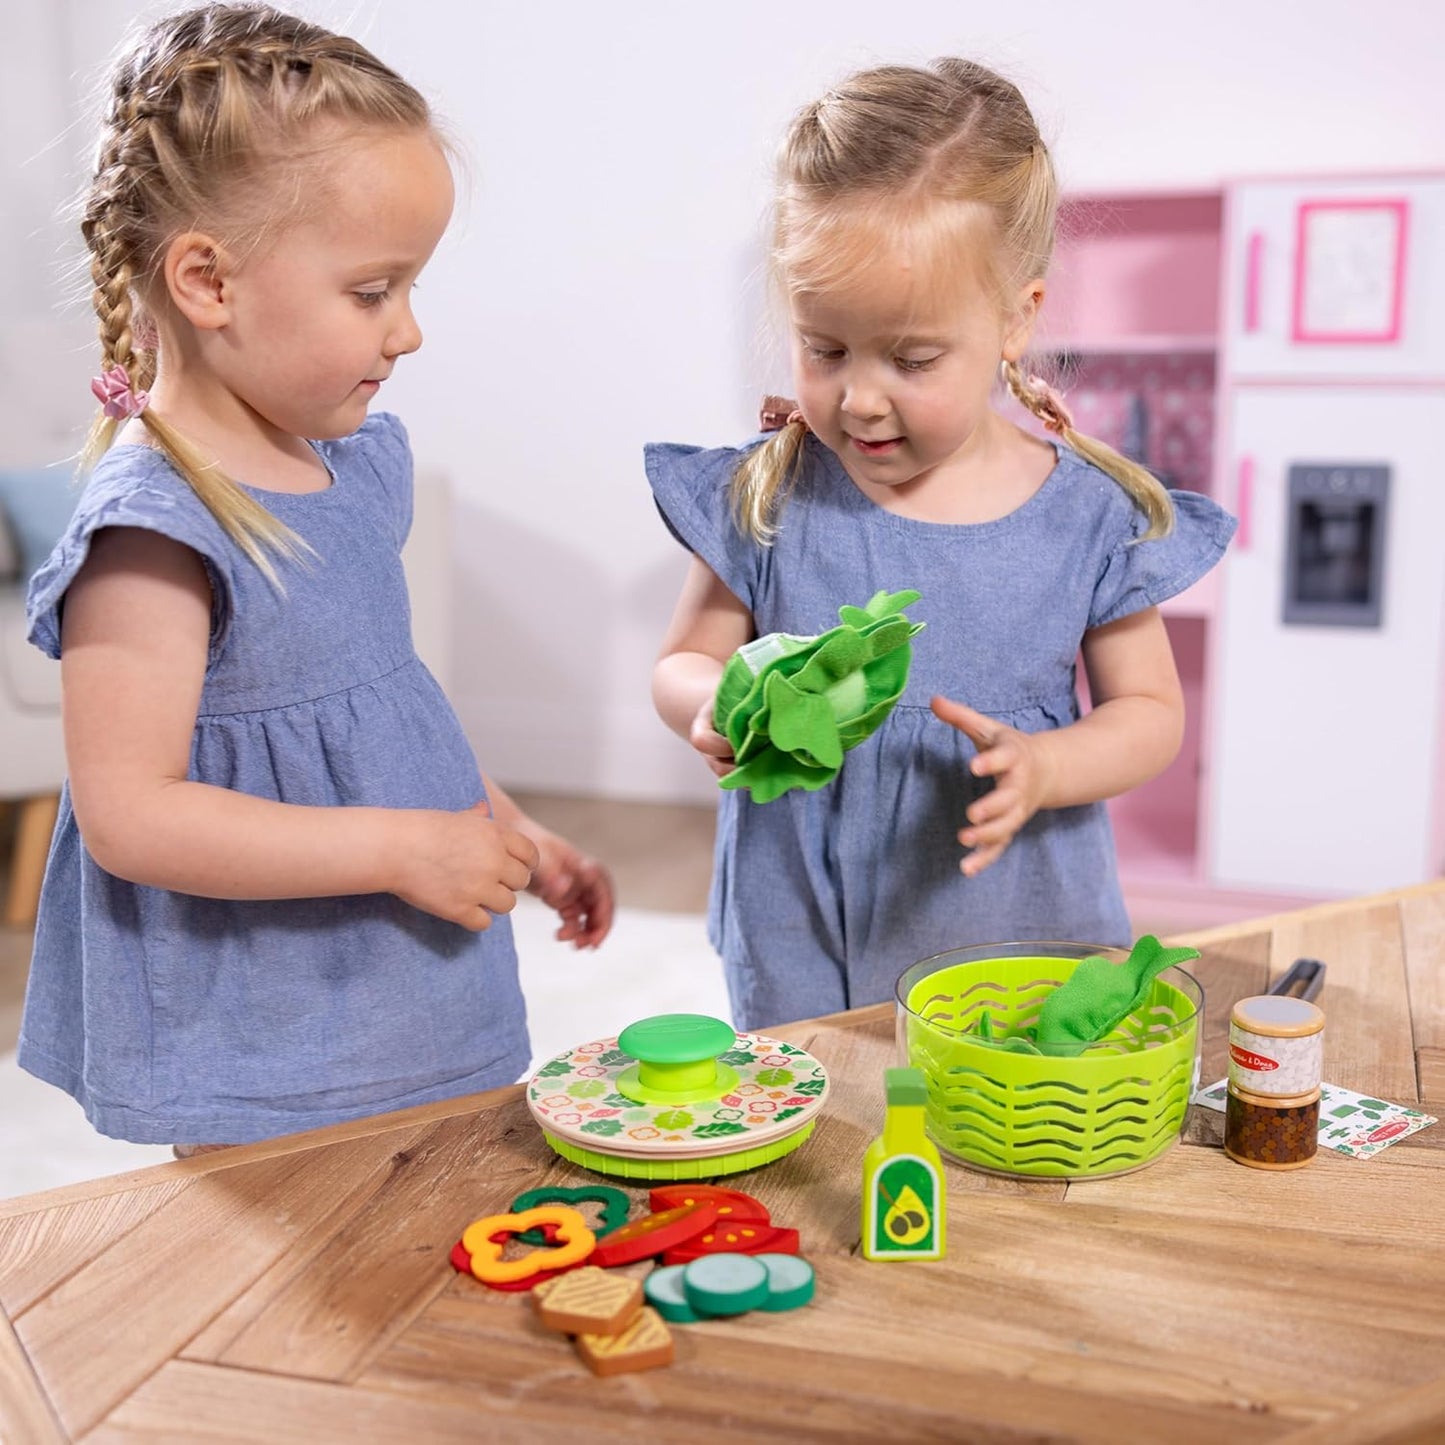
pixel 1335 278
pixel 1325 738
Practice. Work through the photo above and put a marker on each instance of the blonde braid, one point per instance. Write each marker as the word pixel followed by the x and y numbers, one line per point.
pixel 1146 491
pixel 111 299
pixel 203 107
pixel 250 525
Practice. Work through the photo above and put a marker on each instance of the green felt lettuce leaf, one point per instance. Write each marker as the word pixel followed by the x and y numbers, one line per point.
pixel 1009 1043
pixel 1100 994
pixel 803 723
pixel 792 706
pixel 1091 1003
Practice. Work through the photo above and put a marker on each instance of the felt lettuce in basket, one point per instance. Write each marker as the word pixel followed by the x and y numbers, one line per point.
pixel 792 706
pixel 1092 1002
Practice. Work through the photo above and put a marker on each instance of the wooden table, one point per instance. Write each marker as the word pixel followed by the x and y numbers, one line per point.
pixel 300 1290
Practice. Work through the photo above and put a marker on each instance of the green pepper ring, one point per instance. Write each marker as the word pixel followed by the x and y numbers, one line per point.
pixel 615 1206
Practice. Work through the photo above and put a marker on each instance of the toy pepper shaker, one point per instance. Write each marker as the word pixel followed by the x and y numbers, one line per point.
pixel 1272 1114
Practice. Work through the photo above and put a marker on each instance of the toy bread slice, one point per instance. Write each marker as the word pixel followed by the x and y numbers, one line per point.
pixel 588 1301
pixel 644 1344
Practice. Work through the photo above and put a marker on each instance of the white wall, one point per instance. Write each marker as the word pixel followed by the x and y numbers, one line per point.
pixel 600 289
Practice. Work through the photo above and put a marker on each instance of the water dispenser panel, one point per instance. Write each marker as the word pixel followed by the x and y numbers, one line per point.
pixel 1335 549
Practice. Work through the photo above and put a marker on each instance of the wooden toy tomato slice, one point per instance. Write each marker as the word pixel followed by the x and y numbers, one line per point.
pixel 735 1239
pixel 654 1233
pixel 733 1206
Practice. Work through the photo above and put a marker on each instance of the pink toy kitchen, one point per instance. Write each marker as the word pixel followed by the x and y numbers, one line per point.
pixel 1280 345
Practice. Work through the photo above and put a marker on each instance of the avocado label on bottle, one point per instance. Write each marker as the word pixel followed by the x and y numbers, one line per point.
pixel 904 1198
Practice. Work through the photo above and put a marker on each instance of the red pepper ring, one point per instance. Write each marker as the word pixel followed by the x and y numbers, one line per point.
pixel 654 1233
pixel 484 1240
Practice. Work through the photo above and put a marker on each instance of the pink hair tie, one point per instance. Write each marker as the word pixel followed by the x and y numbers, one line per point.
pixel 777 412
pixel 1060 419
pixel 113 391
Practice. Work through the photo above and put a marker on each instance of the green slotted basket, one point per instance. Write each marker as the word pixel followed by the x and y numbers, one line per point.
pixel 1116 1107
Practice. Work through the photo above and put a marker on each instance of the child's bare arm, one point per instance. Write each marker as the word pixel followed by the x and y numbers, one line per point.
pixel 1136 724
pixel 135 633
pixel 708 625
pixel 1132 733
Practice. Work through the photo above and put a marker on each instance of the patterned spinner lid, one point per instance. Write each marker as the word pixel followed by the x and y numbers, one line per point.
pixel 767 1091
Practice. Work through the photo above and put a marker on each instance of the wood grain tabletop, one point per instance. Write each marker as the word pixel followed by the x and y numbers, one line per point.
pixel 300 1290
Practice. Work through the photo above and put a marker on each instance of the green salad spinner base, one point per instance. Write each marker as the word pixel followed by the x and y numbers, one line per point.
pixel 1115 1107
pixel 708 1166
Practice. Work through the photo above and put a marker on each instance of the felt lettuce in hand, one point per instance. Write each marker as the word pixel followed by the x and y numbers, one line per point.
pixel 792 706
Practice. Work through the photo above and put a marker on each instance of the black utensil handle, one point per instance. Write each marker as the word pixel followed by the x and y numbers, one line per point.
pixel 1305 979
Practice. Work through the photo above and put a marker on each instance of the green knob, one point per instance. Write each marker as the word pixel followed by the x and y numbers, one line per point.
pixel 676 1059
pixel 905 1086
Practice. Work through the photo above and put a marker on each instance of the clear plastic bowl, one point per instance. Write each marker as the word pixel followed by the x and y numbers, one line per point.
pixel 1115 1107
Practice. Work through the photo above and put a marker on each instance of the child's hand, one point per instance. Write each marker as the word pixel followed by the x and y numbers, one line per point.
pixel 463 867
pixel 1014 761
pixel 577 886
pixel 716 750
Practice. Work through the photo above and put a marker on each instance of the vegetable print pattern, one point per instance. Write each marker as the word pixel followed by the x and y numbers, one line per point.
pixel 780 1087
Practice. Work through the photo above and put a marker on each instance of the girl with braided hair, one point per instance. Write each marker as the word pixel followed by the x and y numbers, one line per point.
pixel 277 891
pixel 913 225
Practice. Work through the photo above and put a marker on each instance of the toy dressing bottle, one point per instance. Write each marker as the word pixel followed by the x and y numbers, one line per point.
pixel 903 1178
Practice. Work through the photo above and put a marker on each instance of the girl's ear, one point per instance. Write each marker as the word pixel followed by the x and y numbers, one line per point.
pixel 197 269
pixel 1027 302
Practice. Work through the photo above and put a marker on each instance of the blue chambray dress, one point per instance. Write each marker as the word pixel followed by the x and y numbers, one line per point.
pixel 173 1018
pixel 820 900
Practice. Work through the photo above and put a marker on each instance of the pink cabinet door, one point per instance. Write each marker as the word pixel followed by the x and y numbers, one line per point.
pixel 1335 279
pixel 1326 738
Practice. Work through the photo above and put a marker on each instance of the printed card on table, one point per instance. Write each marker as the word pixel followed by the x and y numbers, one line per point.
pixel 1350 1123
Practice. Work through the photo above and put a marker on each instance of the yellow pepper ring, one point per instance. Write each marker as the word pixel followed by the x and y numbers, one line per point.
pixel 574 1243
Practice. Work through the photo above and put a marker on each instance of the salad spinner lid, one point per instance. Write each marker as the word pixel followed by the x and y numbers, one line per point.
pixel 677 1084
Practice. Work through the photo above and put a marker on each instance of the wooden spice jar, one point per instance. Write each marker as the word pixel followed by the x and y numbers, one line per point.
pixel 1272 1113
pixel 1271 1133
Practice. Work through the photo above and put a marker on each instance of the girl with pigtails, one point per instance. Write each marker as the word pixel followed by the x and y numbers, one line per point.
pixel 277 892
pixel 913 227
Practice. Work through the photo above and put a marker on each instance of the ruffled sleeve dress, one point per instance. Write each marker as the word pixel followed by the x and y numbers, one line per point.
pixel 820 900
pixel 173 1018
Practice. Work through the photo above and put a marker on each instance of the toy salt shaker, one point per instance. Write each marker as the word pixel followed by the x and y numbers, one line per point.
pixel 1272 1113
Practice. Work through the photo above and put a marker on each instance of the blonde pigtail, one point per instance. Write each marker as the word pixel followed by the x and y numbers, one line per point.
pixel 765 477
pixel 1144 489
pixel 248 524
pixel 203 107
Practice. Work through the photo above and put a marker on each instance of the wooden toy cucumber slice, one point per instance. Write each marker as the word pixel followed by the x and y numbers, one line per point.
pixel 725 1284
pixel 790 1281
